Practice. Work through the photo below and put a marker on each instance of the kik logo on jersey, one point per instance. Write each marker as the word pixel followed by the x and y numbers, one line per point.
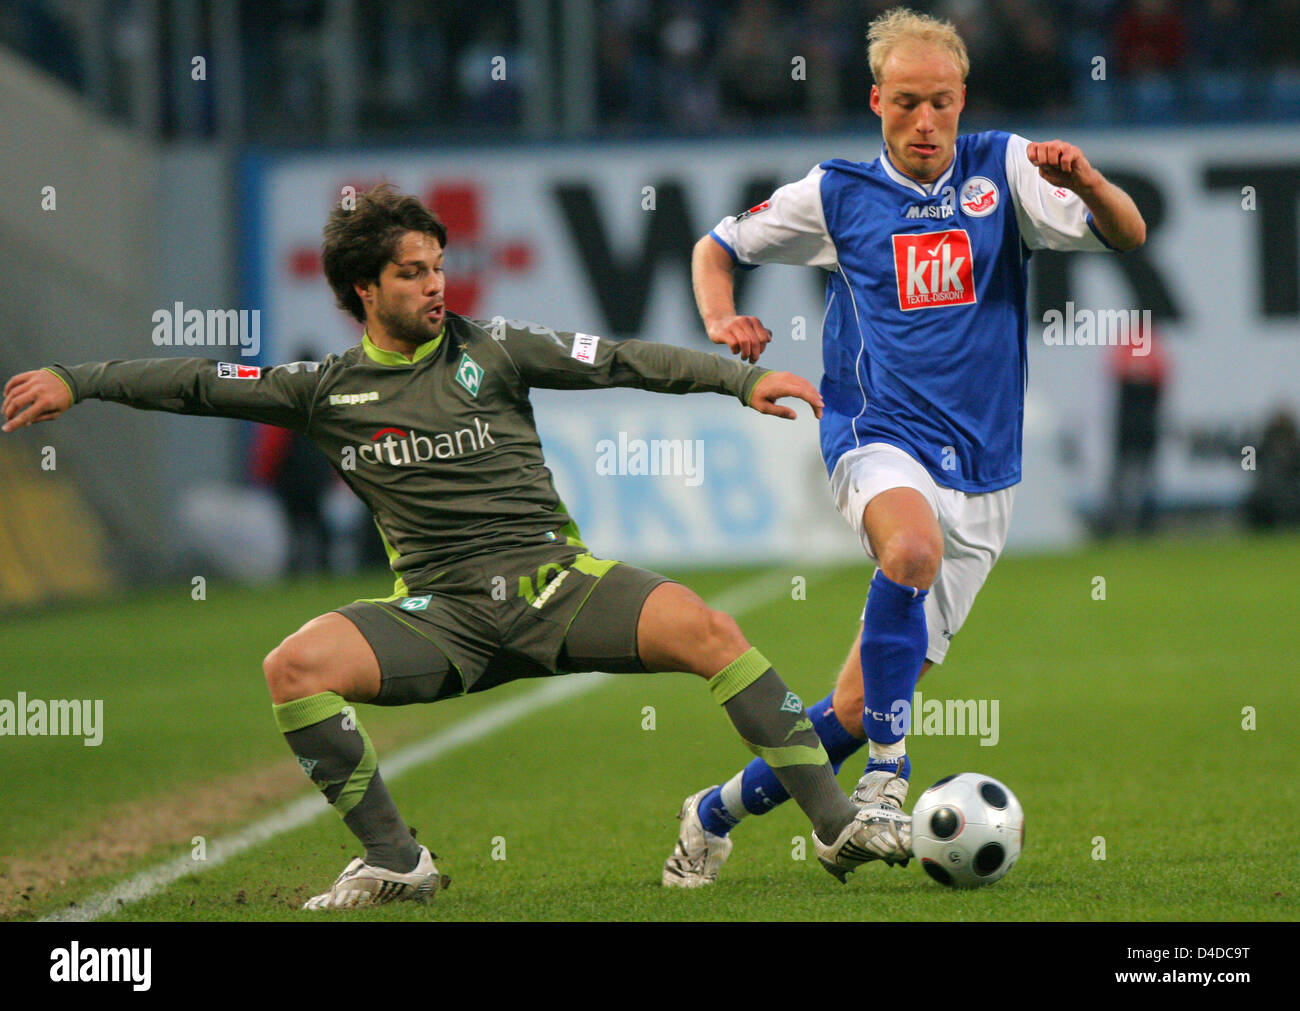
pixel 934 269
pixel 469 375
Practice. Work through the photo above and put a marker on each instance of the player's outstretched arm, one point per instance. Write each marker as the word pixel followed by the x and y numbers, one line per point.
pixel 1113 211
pixel 280 395
pixel 776 385
pixel 712 275
pixel 34 396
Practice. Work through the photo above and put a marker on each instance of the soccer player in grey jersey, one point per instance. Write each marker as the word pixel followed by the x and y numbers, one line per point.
pixel 428 420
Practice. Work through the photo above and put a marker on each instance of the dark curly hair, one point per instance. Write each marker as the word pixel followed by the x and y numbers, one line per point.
pixel 359 242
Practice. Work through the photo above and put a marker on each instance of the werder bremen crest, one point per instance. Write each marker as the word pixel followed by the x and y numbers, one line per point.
pixel 469 374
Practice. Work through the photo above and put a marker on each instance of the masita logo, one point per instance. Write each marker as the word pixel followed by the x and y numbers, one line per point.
pixel 929 211
pixel 934 269
pixel 75 964
pixel 394 447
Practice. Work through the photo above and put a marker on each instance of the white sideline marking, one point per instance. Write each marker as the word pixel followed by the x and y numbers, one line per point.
pixel 758 591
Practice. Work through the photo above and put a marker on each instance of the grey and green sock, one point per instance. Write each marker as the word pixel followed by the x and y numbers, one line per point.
pixel 771 720
pixel 334 750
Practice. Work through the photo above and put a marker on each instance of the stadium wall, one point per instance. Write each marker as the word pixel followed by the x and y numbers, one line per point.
pixel 76 233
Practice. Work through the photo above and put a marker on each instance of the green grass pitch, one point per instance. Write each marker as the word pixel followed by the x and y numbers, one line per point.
pixel 1157 726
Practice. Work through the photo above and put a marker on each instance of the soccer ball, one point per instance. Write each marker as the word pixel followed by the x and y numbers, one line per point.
pixel 967 830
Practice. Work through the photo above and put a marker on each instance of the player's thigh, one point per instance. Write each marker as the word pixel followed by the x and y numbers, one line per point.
pixel 679 632
pixel 328 654
pixel 891 502
pixel 603 634
pixel 414 649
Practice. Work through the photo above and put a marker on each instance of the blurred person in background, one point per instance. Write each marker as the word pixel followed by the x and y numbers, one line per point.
pixel 1225 52
pixel 687 92
pixel 1150 45
pixel 755 73
pixel 831 52
pixel 1280 47
pixel 626 64
pixel 1274 501
pixel 492 72
pixel 1140 371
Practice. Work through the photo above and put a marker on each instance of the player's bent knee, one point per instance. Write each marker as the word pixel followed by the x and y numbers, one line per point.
pixel 294 670
pixel 284 677
pixel 723 636
pixel 911 559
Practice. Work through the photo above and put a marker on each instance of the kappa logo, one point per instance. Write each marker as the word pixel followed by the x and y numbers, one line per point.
pixel 469 374
pixel 549 592
pixel 792 703
pixel 979 197
pixel 416 603
pixel 348 399
pixel 934 269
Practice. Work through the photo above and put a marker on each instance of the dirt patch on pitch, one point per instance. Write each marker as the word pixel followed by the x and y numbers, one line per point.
pixel 136 829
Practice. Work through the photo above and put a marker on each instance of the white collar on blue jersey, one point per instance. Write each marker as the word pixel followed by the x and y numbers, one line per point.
pixel 927 190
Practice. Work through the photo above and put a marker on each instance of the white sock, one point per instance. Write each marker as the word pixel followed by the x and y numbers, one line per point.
pixel 731 797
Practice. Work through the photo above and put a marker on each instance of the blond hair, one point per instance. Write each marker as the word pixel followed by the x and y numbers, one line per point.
pixel 903 25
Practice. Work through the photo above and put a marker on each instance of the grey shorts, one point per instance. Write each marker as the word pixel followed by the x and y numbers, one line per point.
pixel 554 610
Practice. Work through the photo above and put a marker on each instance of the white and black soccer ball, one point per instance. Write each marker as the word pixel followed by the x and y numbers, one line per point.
pixel 967 830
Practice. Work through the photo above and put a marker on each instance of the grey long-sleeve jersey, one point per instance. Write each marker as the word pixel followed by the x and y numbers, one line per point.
pixel 442 449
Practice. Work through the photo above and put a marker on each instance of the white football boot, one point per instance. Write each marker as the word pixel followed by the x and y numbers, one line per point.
pixel 363 885
pixel 699 854
pixel 879 832
pixel 881 787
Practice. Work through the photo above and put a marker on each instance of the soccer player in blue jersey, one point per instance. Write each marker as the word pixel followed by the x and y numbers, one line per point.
pixel 925 251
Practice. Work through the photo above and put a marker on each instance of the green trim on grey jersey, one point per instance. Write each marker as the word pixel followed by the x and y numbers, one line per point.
pixel 380 356
pixel 449 475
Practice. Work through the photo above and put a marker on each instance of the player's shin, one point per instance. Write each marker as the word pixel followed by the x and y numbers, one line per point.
pixel 771 720
pixel 756 788
pixel 894 643
pixel 334 750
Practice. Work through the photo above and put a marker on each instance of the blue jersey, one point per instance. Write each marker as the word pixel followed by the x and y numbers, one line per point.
pixel 924 343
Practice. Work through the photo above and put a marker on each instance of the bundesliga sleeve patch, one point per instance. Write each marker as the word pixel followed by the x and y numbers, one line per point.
pixel 231 370
pixel 584 347
pixel 756 209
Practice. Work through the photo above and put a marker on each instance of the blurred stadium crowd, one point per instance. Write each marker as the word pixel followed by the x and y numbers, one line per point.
pixel 345 70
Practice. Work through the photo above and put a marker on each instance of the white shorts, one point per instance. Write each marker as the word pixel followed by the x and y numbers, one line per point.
pixel 974 529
